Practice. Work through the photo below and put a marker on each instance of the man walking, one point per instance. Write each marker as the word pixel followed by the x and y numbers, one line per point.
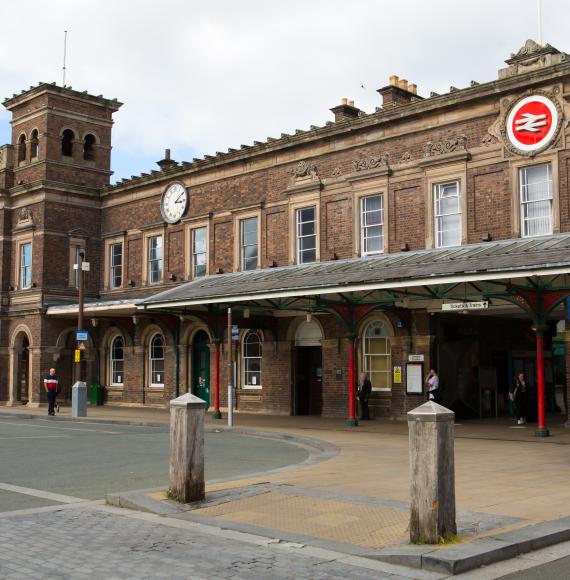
pixel 51 383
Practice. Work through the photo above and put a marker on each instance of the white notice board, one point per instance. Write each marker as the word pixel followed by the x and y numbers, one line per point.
pixel 414 379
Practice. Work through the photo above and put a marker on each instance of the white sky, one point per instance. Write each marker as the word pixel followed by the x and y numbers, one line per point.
pixel 200 77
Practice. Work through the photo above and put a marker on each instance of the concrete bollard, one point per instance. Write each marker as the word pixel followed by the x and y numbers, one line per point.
pixel 79 399
pixel 432 473
pixel 187 448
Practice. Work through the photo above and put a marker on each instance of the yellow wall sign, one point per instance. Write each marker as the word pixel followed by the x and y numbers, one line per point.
pixel 77 355
pixel 397 375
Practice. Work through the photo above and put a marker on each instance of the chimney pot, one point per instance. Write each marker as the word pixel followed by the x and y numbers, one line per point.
pixel 403 84
pixel 393 80
pixel 413 88
pixel 351 103
pixel 344 101
pixel 167 154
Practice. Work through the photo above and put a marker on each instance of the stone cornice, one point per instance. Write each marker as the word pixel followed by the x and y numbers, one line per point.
pixel 68 92
pixel 364 122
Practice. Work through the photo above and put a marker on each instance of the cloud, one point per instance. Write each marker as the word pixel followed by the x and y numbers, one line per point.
pixel 201 77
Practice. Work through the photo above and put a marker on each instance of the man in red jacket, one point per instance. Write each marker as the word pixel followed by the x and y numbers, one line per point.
pixel 51 383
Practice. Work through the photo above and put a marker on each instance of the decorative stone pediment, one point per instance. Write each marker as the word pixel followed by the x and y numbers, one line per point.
pixel 25 217
pixel 446 150
pixel 371 166
pixel 304 177
pixel 530 57
pixel 304 170
pixel 370 162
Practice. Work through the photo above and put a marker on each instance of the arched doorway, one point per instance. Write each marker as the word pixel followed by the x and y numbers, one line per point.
pixel 21 368
pixel 201 366
pixel 308 365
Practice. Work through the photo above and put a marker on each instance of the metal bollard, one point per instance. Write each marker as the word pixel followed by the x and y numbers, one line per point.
pixel 79 399
pixel 432 473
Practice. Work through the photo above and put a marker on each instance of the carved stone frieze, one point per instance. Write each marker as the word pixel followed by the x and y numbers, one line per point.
pixel 446 146
pixel 406 156
pixel 303 169
pixel 337 172
pixel 489 140
pixel 370 162
pixel 25 216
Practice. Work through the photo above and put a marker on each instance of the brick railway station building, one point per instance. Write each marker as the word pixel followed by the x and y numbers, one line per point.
pixel 432 232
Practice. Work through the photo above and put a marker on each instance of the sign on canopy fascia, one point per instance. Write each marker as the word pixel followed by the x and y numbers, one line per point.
pixel 451 306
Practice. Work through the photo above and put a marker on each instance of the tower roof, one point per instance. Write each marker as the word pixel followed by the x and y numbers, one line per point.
pixel 41 88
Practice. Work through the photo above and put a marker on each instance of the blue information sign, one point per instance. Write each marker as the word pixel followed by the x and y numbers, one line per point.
pixel 81 335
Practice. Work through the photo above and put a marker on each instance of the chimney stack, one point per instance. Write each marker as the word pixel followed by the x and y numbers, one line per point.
pixel 346 110
pixel 398 92
pixel 166 163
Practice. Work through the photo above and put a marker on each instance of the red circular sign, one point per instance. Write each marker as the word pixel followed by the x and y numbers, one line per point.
pixel 532 123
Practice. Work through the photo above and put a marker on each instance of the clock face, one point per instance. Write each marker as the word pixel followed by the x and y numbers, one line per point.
pixel 174 202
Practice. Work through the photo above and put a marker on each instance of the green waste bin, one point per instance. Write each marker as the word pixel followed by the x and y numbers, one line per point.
pixel 95 395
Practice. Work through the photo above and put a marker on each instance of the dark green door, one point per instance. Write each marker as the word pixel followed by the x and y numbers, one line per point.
pixel 201 367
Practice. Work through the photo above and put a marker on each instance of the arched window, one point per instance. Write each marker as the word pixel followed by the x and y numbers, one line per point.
pixel 376 354
pixel 117 361
pixel 156 360
pixel 34 144
pixel 251 360
pixel 21 148
pixel 89 148
pixel 67 143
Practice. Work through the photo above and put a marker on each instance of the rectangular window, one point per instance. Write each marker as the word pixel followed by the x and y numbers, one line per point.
pixel 116 265
pixel 306 235
pixel 155 259
pixel 249 248
pixel 372 224
pixel 199 252
pixel 536 200
pixel 447 214
pixel 25 280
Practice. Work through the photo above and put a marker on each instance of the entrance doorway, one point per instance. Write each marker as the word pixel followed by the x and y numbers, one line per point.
pixel 22 353
pixel 201 367
pixel 308 365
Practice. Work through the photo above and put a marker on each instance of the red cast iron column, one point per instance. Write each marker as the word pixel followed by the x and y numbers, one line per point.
pixel 216 414
pixel 352 421
pixel 541 430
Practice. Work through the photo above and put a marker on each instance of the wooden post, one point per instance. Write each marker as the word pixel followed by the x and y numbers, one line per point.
pixel 432 473
pixel 187 448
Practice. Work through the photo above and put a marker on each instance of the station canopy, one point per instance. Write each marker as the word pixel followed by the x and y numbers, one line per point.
pixel 503 273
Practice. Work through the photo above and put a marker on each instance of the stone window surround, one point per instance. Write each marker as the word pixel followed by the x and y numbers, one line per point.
pixel 367 189
pixel 238 217
pixel 146 235
pixel 188 228
pixel 150 384
pixel 444 174
pixel 517 164
pixel 107 262
pixel 110 361
pixel 19 241
pixel 302 201
pixel 239 362
pixel 377 316
pixel 73 243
